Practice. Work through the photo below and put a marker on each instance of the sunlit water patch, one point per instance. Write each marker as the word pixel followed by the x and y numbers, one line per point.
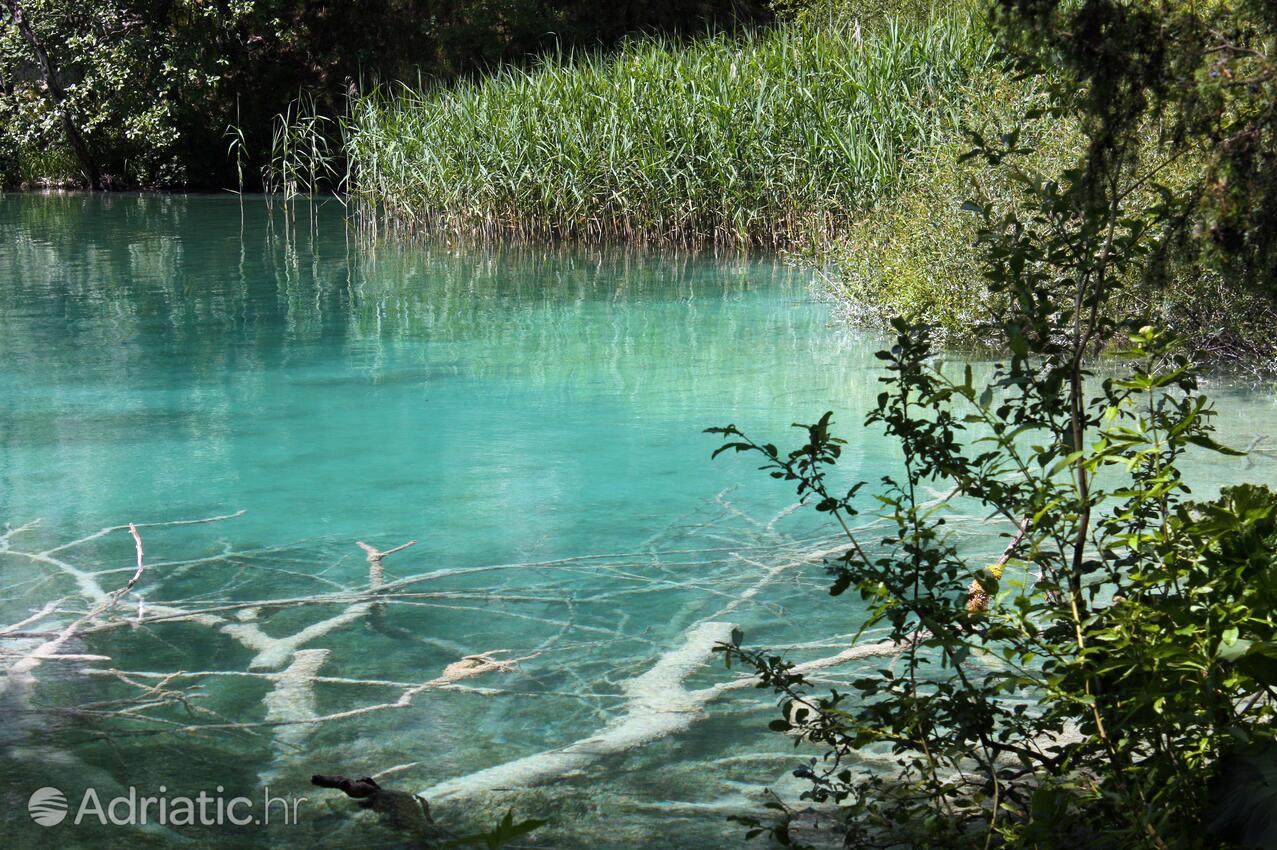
pixel 532 418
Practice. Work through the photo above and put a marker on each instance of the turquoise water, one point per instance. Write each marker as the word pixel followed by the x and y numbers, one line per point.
pixel 536 413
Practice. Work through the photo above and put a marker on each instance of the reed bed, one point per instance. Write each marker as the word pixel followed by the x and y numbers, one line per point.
pixel 763 139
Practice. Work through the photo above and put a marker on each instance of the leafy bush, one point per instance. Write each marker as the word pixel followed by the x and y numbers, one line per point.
pixel 1110 681
pixel 914 253
pixel 1126 651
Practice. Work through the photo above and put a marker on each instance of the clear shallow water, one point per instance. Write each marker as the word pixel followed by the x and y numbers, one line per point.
pixel 167 358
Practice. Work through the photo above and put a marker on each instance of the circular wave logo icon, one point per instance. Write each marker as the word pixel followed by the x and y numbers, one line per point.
pixel 48 806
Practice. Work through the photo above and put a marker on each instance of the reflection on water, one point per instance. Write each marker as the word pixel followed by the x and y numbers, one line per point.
pixel 166 357
pixel 153 341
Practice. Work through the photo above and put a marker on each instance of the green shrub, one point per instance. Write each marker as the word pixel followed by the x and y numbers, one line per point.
pixel 1107 683
pixel 37 165
pixel 914 254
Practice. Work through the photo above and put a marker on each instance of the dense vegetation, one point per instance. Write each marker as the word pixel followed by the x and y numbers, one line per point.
pixel 1109 680
pixel 839 133
pixel 1193 93
pixel 139 92
pixel 763 139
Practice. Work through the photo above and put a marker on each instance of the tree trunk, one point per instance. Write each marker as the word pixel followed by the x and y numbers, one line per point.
pixel 57 98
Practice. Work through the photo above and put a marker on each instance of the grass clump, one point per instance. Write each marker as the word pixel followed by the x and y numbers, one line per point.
pixel 766 139
pixel 29 166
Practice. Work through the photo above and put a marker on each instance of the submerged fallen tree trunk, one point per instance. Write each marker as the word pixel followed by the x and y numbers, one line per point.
pixel 658 705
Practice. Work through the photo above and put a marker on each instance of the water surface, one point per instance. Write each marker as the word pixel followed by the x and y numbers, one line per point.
pixel 535 412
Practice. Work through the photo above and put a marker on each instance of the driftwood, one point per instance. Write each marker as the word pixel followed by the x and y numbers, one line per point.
pixel 290 705
pixel 401 811
pixel 358 789
pixel 49 650
pixel 376 570
pixel 657 705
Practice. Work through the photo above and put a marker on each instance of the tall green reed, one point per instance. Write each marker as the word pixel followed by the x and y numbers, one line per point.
pixel 302 155
pixel 762 139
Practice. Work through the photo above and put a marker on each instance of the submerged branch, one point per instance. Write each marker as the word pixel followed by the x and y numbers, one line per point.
pixel 713 562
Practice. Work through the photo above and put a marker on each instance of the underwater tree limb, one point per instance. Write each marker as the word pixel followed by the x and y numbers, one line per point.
pixel 50 648
pixel 709 563
pixel 657 705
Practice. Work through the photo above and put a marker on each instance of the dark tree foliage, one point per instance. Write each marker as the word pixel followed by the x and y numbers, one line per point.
pixel 1202 74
